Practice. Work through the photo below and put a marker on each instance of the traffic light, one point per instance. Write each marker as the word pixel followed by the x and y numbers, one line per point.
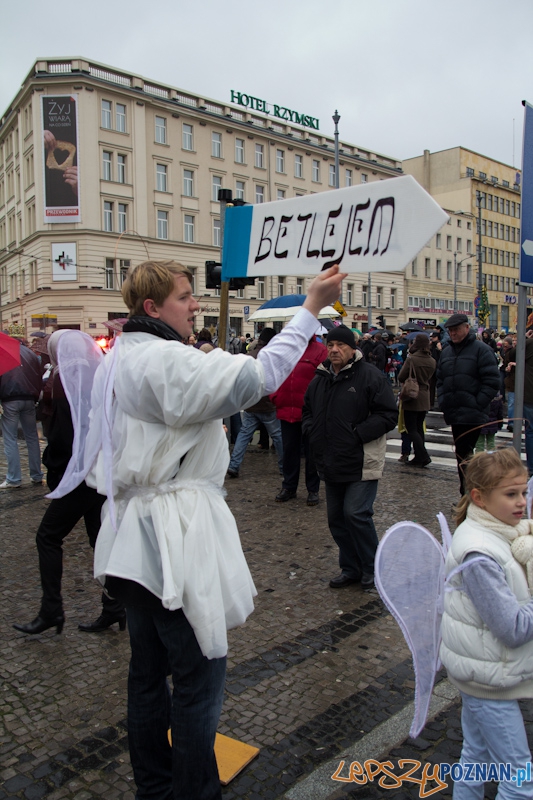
pixel 213 277
pixel 213 274
pixel 381 319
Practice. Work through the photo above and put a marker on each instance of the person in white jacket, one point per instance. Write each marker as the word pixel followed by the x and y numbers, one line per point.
pixel 168 546
pixel 487 625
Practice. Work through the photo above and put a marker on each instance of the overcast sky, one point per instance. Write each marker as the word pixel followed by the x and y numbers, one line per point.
pixel 405 75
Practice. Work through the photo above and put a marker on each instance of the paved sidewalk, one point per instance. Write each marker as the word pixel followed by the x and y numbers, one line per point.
pixel 314 676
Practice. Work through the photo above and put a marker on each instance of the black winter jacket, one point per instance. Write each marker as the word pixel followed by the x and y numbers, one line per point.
pixel 24 382
pixel 467 380
pixel 346 417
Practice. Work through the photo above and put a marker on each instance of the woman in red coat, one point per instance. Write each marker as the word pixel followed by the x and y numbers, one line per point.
pixel 289 400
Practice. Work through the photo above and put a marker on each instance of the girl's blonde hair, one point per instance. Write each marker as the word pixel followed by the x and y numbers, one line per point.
pixel 151 280
pixel 485 471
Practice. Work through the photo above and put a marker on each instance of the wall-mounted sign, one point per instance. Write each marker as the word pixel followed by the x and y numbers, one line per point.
pixel 286 114
pixel 64 267
pixel 60 158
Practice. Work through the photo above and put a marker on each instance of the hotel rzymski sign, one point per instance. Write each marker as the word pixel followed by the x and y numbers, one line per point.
pixel 286 114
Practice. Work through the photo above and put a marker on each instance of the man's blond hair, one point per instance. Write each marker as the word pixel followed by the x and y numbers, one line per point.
pixel 151 280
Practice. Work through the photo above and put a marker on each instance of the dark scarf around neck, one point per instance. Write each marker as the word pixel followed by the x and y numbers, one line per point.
pixel 156 327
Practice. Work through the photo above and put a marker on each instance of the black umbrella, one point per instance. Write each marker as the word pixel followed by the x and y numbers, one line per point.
pixel 411 326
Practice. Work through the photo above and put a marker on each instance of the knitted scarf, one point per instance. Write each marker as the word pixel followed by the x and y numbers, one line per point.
pixel 520 537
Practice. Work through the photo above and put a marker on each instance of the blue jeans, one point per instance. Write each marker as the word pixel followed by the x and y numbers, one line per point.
pixel 493 732
pixel 163 642
pixel 250 420
pixel 350 512
pixel 13 411
pixel 528 419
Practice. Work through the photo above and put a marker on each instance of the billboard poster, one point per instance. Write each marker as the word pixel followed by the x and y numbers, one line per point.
pixel 60 158
pixel 64 266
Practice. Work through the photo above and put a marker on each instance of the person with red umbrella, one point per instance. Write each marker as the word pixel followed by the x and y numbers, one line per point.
pixel 20 387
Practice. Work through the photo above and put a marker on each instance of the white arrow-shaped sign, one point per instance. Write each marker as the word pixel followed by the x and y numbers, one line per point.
pixel 379 226
pixel 527 247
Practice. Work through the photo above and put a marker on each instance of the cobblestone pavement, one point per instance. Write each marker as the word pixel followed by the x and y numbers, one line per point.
pixel 312 672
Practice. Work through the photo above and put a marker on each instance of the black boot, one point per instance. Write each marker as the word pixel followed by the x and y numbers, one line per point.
pixel 39 625
pixel 104 622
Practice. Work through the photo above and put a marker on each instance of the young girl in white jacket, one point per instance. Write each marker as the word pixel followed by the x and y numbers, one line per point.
pixel 487 626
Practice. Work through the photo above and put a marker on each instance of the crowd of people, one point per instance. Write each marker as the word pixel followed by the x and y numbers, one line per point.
pixel 167 550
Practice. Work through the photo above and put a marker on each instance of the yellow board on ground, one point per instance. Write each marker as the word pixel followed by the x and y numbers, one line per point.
pixel 338 306
pixel 232 756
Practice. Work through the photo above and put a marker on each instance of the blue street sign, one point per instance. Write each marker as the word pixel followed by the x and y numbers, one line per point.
pixel 526 218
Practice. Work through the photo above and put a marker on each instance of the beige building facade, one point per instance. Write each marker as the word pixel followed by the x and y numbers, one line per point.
pixel 462 181
pixel 140 179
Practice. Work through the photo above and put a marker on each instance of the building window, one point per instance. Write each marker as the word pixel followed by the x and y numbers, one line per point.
pixel 469 172
pixel 448 270
pixel 239 151
pixel 280 161
pixel 379 296
pixel 161 130
pixel 109 273
pixel 348 180
pixel 260 288
pixel 316 171
pixel 349 294
pixel 259 155
pixel 161 177
pixel 281 194
pixel 122 217
pixel 281 286
pixel 106 165
pixel 239 190
pixel 189 228
pixel 332 174
pixel 414 268
pixel 121 168
pixel 364 178
pixel 298 166
pixel 106 113
pixel 438 269
pixel 483 175
pixel 188 178
pixel 162 224
pixel 393 298
pixel 469 245
pixel 364 296
pixel 120 117
pixel 299 285
pixel 124 267
pixel 459 245
pixel 427 268
pixel 216 233
pixel 216 145
pixel 448 243
pixel 187 137
pixel 216 186
pixel 108 216
pixel 438 238
pixel 469 273
pixel 259 194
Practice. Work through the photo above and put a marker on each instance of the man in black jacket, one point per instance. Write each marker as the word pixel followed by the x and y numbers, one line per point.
pixel 467 380
pixel 349 406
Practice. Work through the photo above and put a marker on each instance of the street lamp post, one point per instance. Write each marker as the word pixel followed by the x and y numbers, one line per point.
pixel 336 118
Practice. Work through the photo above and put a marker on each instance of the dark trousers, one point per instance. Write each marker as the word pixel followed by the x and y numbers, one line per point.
pixel 350 512
pixel 464 439
pixel 291 435
pixel 414 422
pixel 59 519
pixel 163 641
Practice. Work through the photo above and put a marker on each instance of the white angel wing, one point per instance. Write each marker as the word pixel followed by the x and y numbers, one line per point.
pixel 445 533
pixel 78 358
pixel 409 575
